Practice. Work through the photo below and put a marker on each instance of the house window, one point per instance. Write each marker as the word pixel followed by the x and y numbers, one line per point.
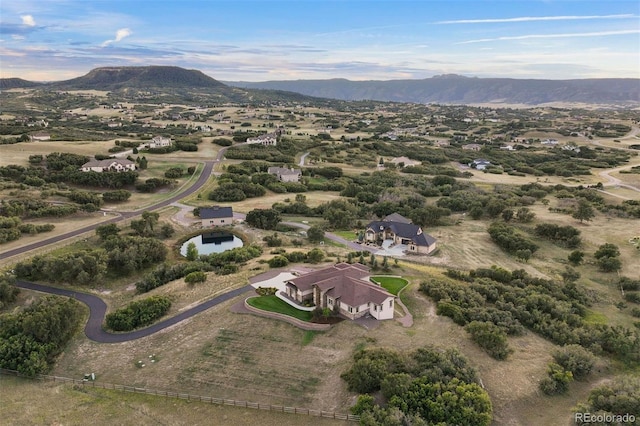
pixel 330 301
pixel 358 309
pixel 222 221
pixel 350 309
pixel 375 308
pixel 391 303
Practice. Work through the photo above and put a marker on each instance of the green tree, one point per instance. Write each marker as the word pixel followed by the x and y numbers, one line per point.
pixel 105 231
pixel 575 257
pixel 489 337
pixel 315 234
pixel 584 211
pixel 263 218
pixel 576 359
pixel 192 251
pixel 607 250
pixel 609 264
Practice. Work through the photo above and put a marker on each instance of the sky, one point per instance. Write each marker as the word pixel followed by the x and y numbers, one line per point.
pixel 49 40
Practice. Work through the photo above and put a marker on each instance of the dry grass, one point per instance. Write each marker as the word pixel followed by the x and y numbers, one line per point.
pixel 26 402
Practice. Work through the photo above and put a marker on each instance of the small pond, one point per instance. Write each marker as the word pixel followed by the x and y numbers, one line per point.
pixel 212 242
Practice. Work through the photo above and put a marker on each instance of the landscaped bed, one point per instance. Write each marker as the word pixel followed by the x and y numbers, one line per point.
pixel 392 284
pixel 274 304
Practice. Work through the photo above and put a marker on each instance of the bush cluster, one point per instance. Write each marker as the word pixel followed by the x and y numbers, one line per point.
pixel 138 314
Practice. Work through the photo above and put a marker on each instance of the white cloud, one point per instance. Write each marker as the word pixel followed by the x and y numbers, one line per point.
pixel 28 20
pixel 536 18
pixel 120 34
pixel 565 35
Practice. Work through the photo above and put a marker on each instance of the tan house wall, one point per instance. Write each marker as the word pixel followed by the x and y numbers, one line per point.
pixel 217 221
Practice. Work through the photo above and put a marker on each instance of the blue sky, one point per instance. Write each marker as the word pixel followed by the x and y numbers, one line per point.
pixel 48 40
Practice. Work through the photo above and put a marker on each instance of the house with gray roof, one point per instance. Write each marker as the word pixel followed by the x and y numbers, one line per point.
pixel 284 174
pixel 109 165
pixel 400 231
pixel 216 216
pixel 343 288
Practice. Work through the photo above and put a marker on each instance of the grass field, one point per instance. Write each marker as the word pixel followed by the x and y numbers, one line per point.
pixel 392 284
pixel 26 402
pixel 274 304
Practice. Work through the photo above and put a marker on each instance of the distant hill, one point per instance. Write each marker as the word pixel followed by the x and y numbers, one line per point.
pixel 175 83
pixel 16 83
pixel 464 90
pixel 114 78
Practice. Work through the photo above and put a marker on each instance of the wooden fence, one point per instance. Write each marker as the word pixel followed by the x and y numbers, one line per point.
pixel 188 397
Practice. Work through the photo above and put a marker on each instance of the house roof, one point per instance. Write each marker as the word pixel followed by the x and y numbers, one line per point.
pixel 108 162
pixel 305 282
pixel 345 282
pixel 215 212
pixel 396 217
pixel 404 230
pixel 283 171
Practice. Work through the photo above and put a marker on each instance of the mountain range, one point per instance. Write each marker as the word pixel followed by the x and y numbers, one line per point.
pixel 457 89
pixel 446 89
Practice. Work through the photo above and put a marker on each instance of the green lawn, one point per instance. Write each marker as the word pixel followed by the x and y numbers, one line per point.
pixel 392 284
pixel 347 235
pixel 273 304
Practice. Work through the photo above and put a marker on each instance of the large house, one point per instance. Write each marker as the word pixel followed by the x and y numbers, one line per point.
pixel 285 175
pixel 109 165
pixel 400 231
pixel 268 139
pixel 159 142
pixel 216 216
pixel 343 288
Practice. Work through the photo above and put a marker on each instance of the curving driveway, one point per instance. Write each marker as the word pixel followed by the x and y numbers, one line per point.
pixel 98 309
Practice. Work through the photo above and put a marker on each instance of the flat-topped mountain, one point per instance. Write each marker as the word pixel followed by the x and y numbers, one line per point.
pixel 464 90
pixel 113 78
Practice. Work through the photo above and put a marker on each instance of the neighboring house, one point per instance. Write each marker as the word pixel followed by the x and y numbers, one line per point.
pixel 268 139
pixel 472 147
pixel 343 288
pixel 285 175
pixel 216 216
pixel 405 161
pixel 550 142
pixel 480 164
pixel 400 230
pixel 109 165
pixel 159 142
pixel 39 136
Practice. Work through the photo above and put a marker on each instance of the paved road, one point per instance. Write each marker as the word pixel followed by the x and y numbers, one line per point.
pixel 97 311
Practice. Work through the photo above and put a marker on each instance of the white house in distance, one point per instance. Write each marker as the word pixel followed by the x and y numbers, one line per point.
pixel 159 142
pixel 285 175
pixel 480 164
pixel 268 139
pixel 109 165
pixel 216 216
pixel 40 136
pixel 400 231
pixel 344 288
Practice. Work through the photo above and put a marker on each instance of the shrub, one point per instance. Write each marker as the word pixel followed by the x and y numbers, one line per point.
pixel 576 359
pixel 278 262
pixel 489 337
pixel 557 380
pixel 195 277
pixel 266 291
pixel 138 314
